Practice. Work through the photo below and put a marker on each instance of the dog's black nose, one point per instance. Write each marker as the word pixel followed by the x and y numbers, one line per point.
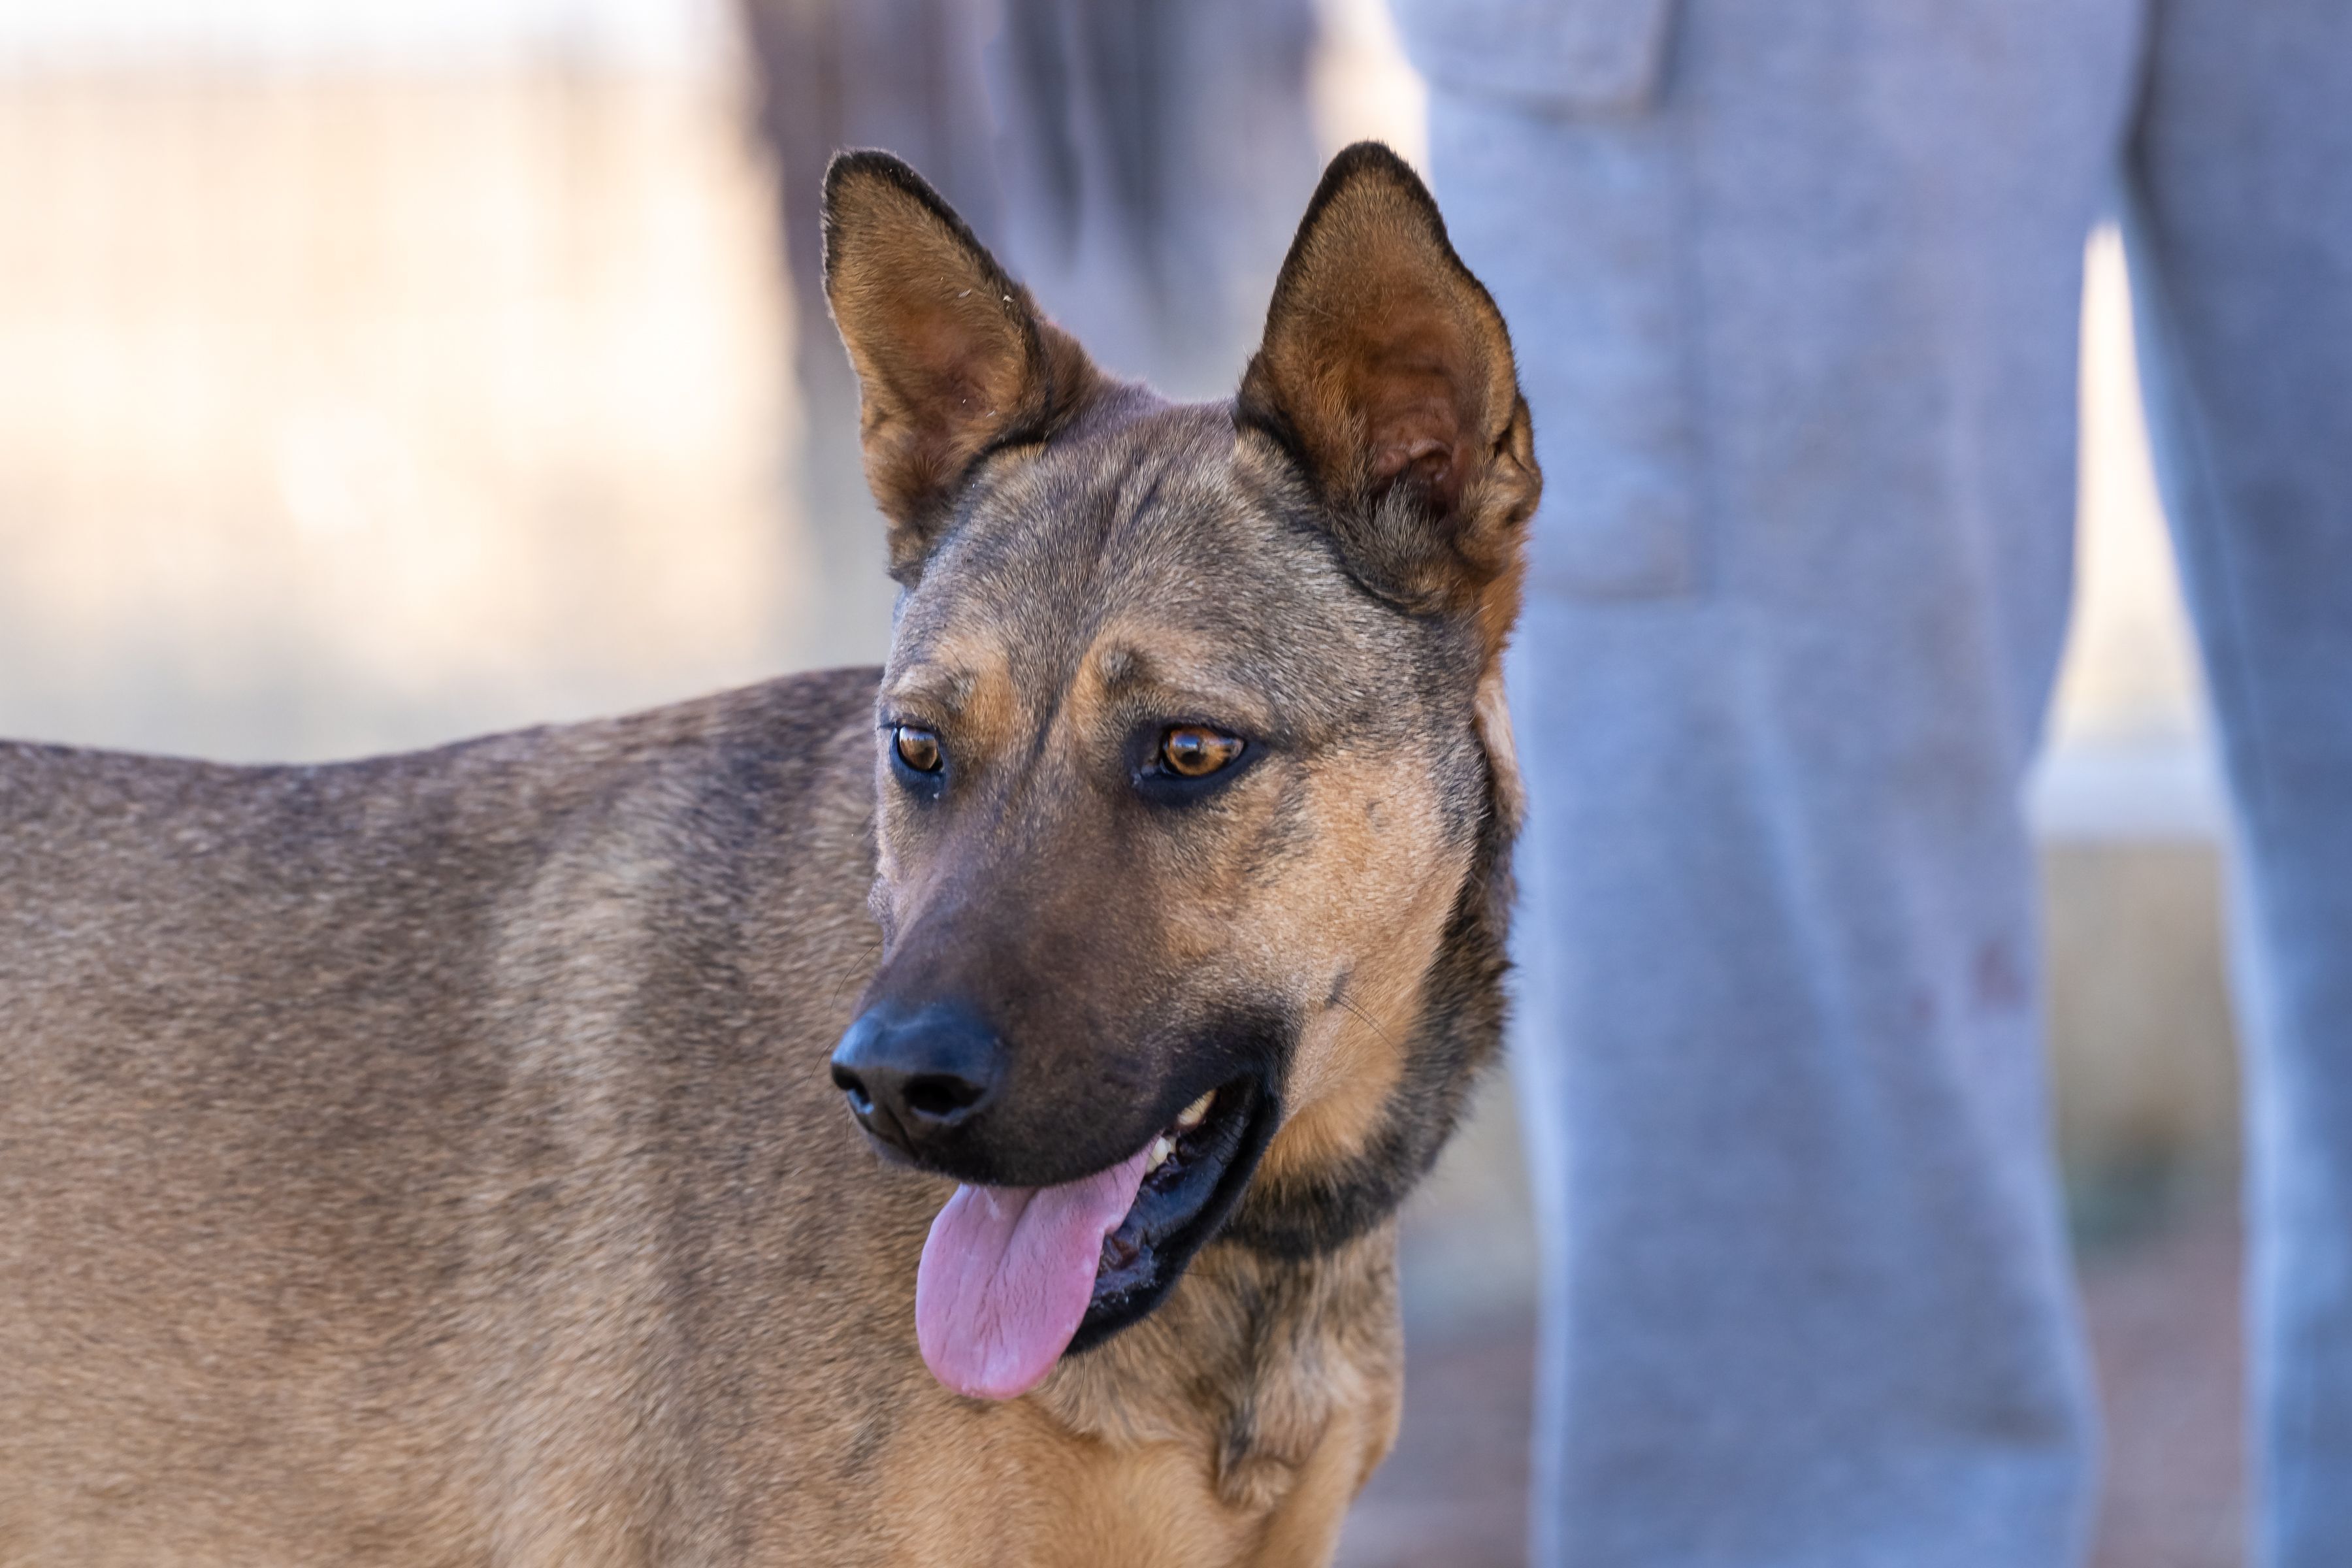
pixel 912 1079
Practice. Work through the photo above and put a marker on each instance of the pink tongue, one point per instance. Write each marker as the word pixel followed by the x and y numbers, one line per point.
pixel 1006 1276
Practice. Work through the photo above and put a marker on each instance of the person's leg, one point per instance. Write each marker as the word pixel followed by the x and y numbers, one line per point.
pixel 2241 270
pixel 1799 338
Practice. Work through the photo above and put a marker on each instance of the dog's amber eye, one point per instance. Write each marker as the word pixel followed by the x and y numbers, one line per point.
pixel 918 748
pixel 1193 752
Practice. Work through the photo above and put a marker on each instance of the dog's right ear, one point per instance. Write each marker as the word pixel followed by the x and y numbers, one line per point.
pixel 1386 369
pixel 1387 372
pixel 952 356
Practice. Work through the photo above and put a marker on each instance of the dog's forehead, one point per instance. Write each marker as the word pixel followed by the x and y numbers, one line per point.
pixel 1169 530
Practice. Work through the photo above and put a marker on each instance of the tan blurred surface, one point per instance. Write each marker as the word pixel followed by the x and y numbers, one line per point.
pixel 349 412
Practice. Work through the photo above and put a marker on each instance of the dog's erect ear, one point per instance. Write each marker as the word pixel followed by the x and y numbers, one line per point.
pixel 951 355
pixel 1387 371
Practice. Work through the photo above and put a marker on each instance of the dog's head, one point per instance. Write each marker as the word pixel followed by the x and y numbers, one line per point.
pixel 1194 777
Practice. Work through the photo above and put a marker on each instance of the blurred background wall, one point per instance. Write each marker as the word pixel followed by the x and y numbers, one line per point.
pixel 378 374
pixel 381 372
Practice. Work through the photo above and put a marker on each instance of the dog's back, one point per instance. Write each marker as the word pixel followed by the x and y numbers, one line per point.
pixel 366 1126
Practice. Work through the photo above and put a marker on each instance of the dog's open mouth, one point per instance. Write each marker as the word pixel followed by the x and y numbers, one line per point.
pixel 1012 1277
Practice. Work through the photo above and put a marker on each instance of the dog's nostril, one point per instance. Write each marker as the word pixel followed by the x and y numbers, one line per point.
pixel 940 1096
pixel 850 1084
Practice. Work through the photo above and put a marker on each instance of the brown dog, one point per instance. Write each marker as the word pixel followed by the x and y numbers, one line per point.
pixel 435 1160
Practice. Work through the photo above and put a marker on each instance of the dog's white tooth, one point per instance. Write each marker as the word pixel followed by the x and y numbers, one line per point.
pixel 1193 1115
pixel 1162 1147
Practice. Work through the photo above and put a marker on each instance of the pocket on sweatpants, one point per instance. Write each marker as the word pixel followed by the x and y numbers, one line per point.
pixel 1562 53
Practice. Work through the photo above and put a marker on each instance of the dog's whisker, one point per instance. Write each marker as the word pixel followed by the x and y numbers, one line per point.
pixel 1388 1036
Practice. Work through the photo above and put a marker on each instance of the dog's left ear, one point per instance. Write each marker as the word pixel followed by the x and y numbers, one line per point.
pixel 1387 372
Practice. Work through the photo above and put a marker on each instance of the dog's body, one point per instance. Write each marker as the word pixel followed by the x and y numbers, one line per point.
pixel 433 1159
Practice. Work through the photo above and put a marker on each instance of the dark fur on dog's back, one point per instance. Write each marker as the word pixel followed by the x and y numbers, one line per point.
pixel 433 1159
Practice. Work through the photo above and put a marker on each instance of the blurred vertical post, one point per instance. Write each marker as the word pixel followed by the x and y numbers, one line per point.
pixel 1154 157
pixel 899 74
pixel 1140 164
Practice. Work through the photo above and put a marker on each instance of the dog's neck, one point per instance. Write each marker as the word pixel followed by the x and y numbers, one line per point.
pixel 1249 1358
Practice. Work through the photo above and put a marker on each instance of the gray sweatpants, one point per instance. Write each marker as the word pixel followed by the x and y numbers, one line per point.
pixel 1795 287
